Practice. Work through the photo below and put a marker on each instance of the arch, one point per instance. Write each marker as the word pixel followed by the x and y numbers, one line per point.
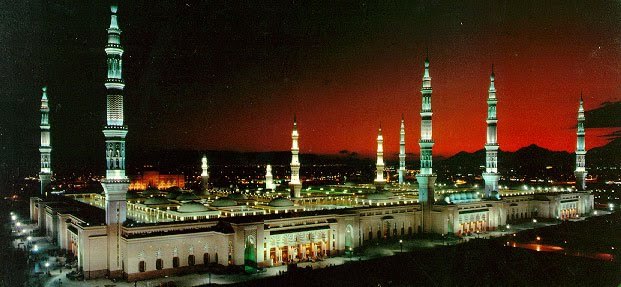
pixel 250 254
pixel 349 232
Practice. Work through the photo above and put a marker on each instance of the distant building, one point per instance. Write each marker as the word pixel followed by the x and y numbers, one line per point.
pixel 154 179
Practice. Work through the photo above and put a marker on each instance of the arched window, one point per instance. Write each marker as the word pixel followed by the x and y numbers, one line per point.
pixel 142 266
pixel 191 260
pixel 159 264
pixel 175 262
pixel 205 258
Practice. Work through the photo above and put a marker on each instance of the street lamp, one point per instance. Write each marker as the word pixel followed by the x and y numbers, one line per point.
pixel 401 244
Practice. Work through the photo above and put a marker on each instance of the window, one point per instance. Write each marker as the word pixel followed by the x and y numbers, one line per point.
pixel 205 258
pixel 191 260
pixel 175 262
pixel 141 266
pixel 159 264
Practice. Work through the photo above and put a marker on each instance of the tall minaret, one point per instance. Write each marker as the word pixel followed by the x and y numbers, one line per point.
pixel 426 178
pixel 580 172
pixel 295 184
pixel 116 183
pixel 269 179
pixel 46 147
pixel 205 175
pixel 402 153
pixel 491 175
pixel 379 165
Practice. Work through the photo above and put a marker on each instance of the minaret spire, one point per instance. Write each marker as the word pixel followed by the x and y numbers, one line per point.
pixel 115 184
pixel 491 175
pixel 45 175
pixel 580 171
pixel 205 174
pixel 296 185
pixel 379 165
pixel 426 178
pixel 402 152
pixel 269 178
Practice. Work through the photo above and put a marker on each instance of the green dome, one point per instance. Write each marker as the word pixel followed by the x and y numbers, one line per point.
pixel 380 195
pixel 156 201
pixel 280 202
pixel 172 194
pixel 237 196
pixel 223 202
pixel 187 197
pixel 192 207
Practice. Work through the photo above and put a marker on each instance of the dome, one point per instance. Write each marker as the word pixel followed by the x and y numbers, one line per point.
pixel 384 195
pixel 377 196
pixel 223 202
pixel 151 191
pixel 388 194
pixel 187 197
pixel 280 202
pixel 192 207
pixel 156 201
pixel 172 194
pixel 174 189
pixel 237 196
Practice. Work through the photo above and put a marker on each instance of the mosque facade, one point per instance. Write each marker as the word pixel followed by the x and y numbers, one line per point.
pixel 148 235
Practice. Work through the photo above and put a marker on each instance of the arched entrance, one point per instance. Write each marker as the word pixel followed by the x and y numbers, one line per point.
pixel 250 254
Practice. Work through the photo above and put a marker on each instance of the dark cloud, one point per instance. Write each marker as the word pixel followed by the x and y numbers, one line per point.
pixel 608 115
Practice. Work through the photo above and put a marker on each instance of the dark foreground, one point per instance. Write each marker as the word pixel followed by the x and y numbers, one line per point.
pixel 480 263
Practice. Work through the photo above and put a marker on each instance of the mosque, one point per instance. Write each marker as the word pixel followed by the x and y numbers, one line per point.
pixel 141 235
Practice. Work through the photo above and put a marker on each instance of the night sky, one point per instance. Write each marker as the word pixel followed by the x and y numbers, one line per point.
pixel 225 75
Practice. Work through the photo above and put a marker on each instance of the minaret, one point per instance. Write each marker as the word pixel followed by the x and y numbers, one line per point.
pixel 205 175
pixel 295 184
pixel 426 178
pixel 402 153
pixel 379 181
pixel 46 147
pixel 580 172
pixel 269 179
pixel 116 183
pixel 491 175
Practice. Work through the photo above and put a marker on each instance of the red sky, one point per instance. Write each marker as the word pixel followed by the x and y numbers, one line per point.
pixel 544 57
pixel 230 75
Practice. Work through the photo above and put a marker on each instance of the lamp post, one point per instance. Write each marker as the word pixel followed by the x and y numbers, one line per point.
pixel 401 244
